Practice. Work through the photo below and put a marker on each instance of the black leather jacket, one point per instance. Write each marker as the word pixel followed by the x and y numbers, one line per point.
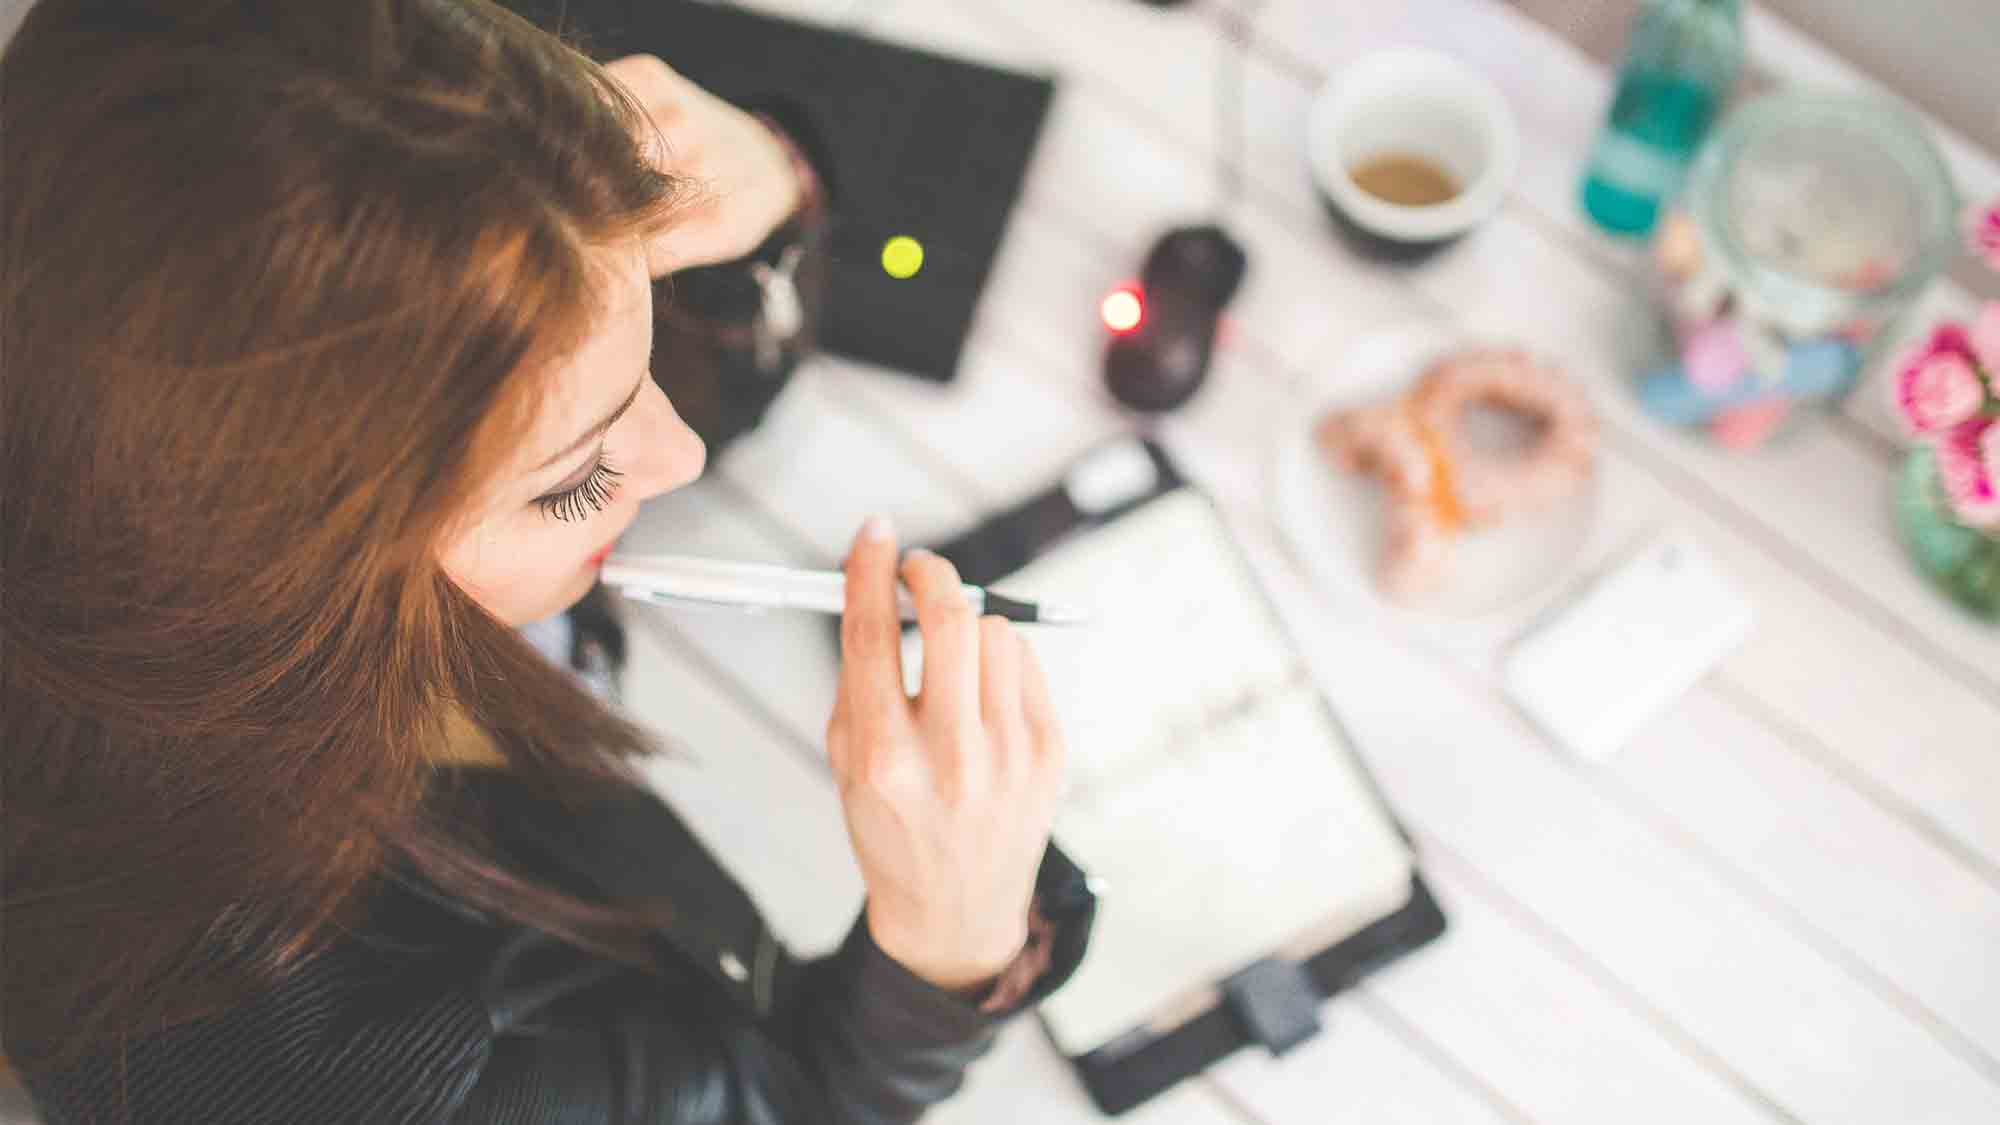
pixel 435 1013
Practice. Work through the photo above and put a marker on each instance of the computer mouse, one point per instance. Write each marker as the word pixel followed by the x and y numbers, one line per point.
pixel 1159 362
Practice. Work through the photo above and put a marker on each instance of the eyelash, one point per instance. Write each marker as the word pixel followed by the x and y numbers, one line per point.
pixel 596 491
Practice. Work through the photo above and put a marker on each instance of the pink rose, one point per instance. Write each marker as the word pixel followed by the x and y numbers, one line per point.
pixel 1984 236
pixel 1984 339
pixel 1968 460
pixel 1937 387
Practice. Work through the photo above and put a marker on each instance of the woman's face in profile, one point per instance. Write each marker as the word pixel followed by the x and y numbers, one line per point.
pixel 605 438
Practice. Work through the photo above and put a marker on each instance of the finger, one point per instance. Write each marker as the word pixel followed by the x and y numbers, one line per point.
pixel 665 254
pixel 950 693
pixel 871 649
pixel 1035 702
pixel 837 735
pixel 661 96
pixel 698 237
pixel 1000 675
pixel 1043 729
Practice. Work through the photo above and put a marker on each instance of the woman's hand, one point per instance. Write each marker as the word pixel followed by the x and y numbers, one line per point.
pixel 949 797
pixel 742 171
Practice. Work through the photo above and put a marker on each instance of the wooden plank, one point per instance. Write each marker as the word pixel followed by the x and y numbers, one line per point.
pixel 1561 95
pixel 1912 917
pixel 1815 499
pixel 1633 504
pixel 1895 718
pixel 1864 718
pixel 1851 647
pixel 1570 1044
pixel 1677 977
pixel 1574 309
pixel 983 317
pixel 1216 430
pixel 1558 96
pixel 1911 1039
pixel 1471 775
pixel 1912 911
pixel 979 414
pixel 755 664
pixel 952 442
pixel 1359 1068
pixel 801 448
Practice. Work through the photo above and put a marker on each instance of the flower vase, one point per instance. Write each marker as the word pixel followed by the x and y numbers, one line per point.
pixel 1961 560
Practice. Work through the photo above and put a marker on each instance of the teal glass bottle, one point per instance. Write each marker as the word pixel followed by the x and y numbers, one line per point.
pixel 1680 62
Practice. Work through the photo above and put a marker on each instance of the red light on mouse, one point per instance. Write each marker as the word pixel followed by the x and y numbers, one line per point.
pixel 1122 310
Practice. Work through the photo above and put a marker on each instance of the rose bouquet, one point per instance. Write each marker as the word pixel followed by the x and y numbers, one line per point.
pixel 1948 395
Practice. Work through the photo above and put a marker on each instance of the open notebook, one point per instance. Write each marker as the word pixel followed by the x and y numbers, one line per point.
pixel 1212 797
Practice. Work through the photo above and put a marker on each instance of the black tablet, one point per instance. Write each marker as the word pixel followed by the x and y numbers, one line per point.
pixel 911 146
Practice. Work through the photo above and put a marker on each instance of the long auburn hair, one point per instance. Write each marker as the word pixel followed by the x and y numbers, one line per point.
pixel 279 280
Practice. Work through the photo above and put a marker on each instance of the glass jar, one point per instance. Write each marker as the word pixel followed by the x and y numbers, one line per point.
pixel 1962 561
pixel 1810 225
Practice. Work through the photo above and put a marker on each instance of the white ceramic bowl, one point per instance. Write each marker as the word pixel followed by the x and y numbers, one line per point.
pixel 1414 102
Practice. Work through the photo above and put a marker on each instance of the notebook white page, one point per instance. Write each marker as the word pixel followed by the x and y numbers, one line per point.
pixel 1211 797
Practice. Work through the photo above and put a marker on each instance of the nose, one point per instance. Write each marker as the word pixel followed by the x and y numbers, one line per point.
pixel 671 454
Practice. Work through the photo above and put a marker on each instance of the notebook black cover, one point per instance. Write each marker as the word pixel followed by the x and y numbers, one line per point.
pixel 907 142
pixel 1123 1074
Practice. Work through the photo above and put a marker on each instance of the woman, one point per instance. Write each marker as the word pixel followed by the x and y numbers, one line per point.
pixel 326 334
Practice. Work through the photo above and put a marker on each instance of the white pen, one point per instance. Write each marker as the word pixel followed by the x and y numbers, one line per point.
pixel 671 579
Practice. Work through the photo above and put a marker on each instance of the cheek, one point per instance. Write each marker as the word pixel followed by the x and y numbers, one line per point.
pixel 521 574
pixel 522 567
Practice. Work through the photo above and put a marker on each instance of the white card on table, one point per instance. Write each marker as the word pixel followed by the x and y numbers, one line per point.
pixel 1636 639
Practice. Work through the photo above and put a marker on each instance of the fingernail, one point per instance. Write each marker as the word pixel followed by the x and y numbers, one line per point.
pixel 877 528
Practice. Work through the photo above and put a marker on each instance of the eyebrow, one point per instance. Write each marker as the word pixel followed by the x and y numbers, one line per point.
pixel 601 426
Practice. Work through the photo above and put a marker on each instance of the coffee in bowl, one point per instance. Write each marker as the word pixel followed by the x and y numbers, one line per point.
pixel 1401 178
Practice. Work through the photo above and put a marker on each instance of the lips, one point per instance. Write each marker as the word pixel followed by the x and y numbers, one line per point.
pixel 598 558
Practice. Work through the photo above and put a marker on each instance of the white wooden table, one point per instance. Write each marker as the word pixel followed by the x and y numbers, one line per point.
pixel 1783 902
